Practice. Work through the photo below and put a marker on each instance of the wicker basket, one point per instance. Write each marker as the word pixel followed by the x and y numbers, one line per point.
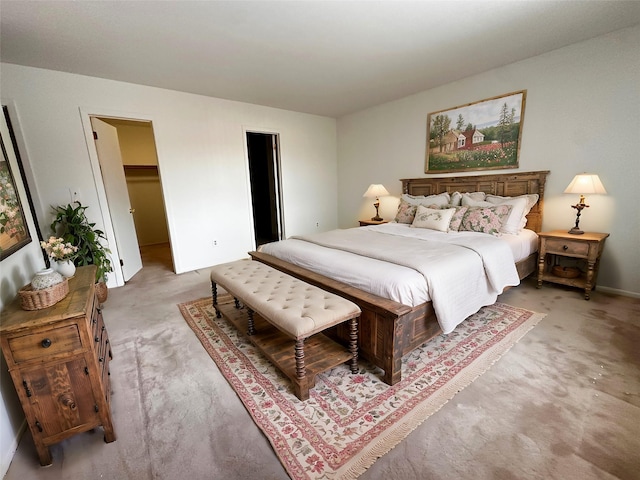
pixel 39 299
pixel 565 272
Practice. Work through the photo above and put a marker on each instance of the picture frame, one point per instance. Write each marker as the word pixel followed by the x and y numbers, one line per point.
pixel 14 232
pixel 483 135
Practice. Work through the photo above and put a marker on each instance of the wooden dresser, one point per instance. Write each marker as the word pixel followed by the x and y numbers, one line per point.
pixel 58 358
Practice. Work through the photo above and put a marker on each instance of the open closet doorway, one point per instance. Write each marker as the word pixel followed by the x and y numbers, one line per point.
pixel 129 169
pixel 264 174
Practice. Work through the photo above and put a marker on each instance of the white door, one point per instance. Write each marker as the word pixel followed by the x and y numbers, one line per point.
pixel 115 185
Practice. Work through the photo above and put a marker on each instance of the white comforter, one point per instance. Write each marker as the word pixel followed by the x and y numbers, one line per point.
pixel 460 272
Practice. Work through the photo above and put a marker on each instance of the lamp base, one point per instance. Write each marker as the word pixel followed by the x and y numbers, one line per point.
pixel 377 218
pixel 579 207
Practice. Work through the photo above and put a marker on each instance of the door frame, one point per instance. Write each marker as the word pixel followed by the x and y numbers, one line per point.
pixel 280 205
pixel 85 116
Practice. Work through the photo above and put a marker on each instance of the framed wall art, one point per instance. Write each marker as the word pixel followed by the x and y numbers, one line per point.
pixel 483 135
pixel 14 233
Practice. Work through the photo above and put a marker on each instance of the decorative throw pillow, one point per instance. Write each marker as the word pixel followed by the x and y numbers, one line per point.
pixel 406 212
pixel 433 218
pixel 456 219
pixel 439 199
pixel 517 218
pixel 485 219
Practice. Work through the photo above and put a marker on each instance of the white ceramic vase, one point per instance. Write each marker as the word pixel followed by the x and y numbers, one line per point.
pixel 46 278
pixel 66 268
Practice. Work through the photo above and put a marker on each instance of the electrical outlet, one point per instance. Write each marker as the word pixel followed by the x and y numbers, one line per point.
pixel 317 224
pixel 215 243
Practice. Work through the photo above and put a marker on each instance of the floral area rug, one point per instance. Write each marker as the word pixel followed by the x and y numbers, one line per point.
pixel 350 420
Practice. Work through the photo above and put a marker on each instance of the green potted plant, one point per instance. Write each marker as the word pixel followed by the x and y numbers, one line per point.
pixel 72 225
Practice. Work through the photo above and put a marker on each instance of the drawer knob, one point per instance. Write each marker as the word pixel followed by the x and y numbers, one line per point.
pixel 46 343
pixel 68 401
pixel 565 247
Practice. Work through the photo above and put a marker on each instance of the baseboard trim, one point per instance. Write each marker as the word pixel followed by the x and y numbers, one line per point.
pixel 617 291
pixel 11 451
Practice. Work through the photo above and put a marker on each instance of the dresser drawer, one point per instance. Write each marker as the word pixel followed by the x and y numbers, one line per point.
pixel 45 343
pixel 563 247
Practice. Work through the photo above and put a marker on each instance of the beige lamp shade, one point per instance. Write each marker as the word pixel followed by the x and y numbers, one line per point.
pixel 376 190
pixel 583 184
pixel 586 183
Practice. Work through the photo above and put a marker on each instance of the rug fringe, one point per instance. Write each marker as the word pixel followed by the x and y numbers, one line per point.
pixel 390 440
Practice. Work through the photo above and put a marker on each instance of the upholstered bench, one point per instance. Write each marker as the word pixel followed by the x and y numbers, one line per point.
pixel 299 311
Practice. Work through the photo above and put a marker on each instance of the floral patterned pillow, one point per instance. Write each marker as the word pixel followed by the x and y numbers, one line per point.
pixel 485 219
pixel 456 220
pixel 406 212
pixel 433 218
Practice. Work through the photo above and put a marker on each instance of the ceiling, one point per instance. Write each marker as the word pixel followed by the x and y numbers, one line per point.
pixel 323 57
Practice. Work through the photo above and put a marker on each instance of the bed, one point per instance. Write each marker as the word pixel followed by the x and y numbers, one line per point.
pixel 388 328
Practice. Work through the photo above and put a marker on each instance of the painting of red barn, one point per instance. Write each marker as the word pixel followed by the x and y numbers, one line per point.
pixel 483 135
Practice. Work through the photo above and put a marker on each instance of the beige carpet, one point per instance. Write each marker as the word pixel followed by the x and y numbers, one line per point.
pixel 350 420
pixel 561 404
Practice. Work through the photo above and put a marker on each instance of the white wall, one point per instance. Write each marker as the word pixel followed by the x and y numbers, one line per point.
pixel 582 114
pixel 201 157
pixel 17 270
pixel 202 161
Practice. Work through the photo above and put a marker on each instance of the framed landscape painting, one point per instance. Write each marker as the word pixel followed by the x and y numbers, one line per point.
pixel 14 233
pixel 483 135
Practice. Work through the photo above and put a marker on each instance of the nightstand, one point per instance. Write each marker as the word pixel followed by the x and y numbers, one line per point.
pixel 559 243
pixel 364 223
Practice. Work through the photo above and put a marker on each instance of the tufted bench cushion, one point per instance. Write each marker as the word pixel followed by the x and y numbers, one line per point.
pixel 295 307
pixel 299 310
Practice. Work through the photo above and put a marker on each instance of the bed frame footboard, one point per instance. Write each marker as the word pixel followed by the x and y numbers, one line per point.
pixel 387 329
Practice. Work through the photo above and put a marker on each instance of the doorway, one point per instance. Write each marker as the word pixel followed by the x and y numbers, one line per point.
pixel 264 175
pixel 129 170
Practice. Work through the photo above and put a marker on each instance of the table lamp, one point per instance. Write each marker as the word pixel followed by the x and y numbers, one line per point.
pixel 376 190
pixel 583 184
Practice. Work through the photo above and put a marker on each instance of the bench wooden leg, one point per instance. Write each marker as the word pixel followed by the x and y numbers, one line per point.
pixel 299 352
pixel 250 326
pixel 353 344
pixel 214 294
pixel 302 383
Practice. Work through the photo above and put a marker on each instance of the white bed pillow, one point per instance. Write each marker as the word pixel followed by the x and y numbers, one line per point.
pixel 516 220
pixel 433 218
pixel 532 199
pixel 456 197
pixel 439 199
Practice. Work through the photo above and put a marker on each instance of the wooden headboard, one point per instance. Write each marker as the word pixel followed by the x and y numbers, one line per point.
pixel 504 184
